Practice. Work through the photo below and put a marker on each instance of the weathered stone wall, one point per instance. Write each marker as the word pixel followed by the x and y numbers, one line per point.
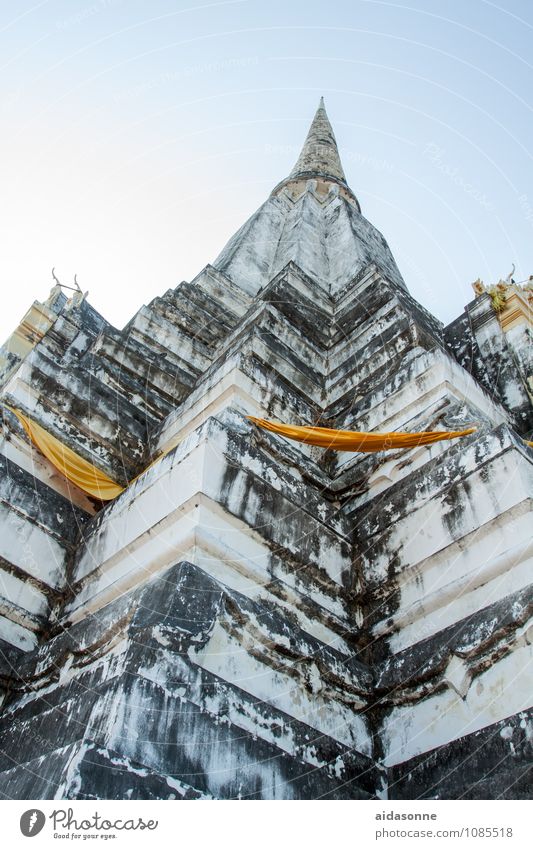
pixel 39 532
pixel 144 688
pixel 326 236
pixel 502 361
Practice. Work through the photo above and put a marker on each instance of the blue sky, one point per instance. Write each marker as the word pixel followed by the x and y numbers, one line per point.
pixel 138 136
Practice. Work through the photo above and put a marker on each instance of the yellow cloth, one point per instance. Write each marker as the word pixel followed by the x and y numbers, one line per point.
pixel 96 483
pixel 352 440
pixel 528 442
pixel 71 465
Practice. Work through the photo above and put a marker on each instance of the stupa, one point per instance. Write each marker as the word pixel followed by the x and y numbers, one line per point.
pixel 253 617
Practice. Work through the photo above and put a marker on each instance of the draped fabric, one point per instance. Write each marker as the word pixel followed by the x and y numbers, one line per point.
pixel 96 483
pixel 79 471
pixel 353 440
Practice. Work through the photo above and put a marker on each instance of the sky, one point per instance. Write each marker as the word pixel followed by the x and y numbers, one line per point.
pixel 138 135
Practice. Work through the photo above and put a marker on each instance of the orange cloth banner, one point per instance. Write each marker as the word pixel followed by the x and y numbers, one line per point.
pixel 94 482
pixel 71 465
pixel 353 440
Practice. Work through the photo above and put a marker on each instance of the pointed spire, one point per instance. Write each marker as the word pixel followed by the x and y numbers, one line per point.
pixel 319 159
pixel 320 155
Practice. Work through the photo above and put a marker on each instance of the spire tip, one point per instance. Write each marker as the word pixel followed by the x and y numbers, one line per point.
pixel 319 154
pixel 319 158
